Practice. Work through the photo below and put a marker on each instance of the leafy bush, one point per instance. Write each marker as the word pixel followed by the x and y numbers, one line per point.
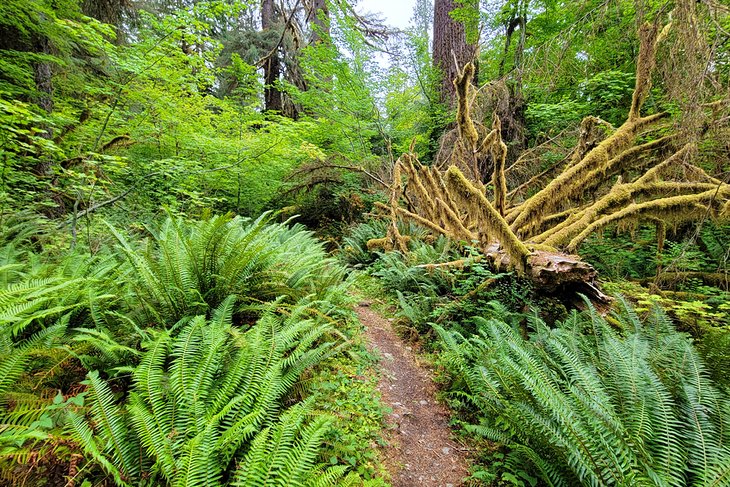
pixel 550 118
pixel 190 268
pixel 205 407
pixel 608 94
pixel 587 404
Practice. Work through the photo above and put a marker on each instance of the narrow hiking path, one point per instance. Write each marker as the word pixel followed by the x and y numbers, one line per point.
pixel 420 451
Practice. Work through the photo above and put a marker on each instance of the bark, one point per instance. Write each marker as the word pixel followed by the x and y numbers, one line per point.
pixel 555 273
pixel 318 18
pixel 451 52
pixel 272 65
pixel 43 76
pixel 113 12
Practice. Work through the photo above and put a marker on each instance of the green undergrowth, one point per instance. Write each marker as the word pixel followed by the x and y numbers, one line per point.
pixel 347 390
pixel 622 400
pixel 220 351
pixel 552 396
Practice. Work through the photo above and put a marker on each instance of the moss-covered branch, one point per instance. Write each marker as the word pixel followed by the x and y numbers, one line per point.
pixel 492 226
pixel 673 209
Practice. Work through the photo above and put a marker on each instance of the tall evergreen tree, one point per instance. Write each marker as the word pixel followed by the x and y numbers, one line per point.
pixel 272 61
pixel 451 49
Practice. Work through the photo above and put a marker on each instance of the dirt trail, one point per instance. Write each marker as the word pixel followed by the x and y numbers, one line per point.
pixel 420 450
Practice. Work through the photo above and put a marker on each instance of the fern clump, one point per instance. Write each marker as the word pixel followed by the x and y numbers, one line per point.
pixel 189 268
pixel 588 404
pixel 205 406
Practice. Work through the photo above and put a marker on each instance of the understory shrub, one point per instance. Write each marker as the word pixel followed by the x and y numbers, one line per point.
pixel 593 401
pixel 187 269
pixel 175 361
pixel 205 407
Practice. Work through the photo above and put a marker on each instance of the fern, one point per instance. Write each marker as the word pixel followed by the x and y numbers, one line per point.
pixel 14 357
pixel 634 407
pixel 190 268
pixel 286 454
pixel 207 396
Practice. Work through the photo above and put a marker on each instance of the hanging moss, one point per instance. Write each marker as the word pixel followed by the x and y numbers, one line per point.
pixel 672 209
pixel 618 197
pixel 593 130
pixel 678 157
pixel 595 165
pixel 490 222
pixel 499 155
pixel 467 131
pixel 649 38
pixel 422 221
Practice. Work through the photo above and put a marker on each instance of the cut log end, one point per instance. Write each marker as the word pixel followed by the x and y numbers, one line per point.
pixel 556 273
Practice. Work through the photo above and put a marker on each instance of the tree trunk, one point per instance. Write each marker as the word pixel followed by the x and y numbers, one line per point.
pixel 318 19
pixel 272 65
pixel 450 47
pixel 43 77
pixel 111 12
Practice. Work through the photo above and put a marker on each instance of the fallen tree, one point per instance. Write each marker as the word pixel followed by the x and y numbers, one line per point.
pixel 609 179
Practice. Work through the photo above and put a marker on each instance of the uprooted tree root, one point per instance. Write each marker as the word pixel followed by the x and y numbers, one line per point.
pixel 533 236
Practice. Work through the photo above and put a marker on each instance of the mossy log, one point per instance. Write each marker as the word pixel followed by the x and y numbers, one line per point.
pixel 554 273
pixel 611 177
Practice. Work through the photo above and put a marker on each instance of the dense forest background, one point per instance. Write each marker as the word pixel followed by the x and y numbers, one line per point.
pixel 191 190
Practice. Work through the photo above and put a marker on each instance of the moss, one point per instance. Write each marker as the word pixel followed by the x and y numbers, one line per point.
pixel 422 221
pixel 379 243
pixel 661 235
pixel 456 226
pixel 467 131
pixel 394 239
pixel 592 131
pixel 425 199
pixel 596 164
pixel 499 155
pixel 540 247
pixel 548 236
pixel 618 197
pixel 491 223
pixel 653 173
pixel 649 37
pixel 670 209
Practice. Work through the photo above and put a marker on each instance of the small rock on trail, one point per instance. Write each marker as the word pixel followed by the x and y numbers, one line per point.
pixel 420 450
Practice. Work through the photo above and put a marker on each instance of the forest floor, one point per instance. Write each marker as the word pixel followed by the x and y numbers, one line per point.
pixel 420 450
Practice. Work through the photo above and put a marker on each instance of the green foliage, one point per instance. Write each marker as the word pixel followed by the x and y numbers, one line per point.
pixel 171 396
pixel 608 94
pixel 452 294
pixel 545 119
pixel 287 454
pixel 348 392
pixel 414 113
pixel 402 272
pixel 202 398
pixel 587 404
pixel 354 249
pixel 623 255
pixel 189 269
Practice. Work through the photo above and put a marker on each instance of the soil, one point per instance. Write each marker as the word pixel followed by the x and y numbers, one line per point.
pixel 420 450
